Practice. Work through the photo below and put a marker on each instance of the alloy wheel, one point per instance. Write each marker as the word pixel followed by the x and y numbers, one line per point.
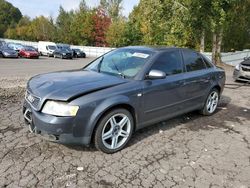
pixel 212 102
pixel 116 131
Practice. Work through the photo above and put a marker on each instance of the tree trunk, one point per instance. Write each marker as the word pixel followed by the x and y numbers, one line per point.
pixel 218 51
pixel 214 48
pixel 202 44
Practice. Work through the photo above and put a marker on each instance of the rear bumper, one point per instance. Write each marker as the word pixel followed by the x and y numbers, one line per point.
pixel 52 128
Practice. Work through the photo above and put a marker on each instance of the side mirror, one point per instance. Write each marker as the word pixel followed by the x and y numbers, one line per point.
pixel 156 74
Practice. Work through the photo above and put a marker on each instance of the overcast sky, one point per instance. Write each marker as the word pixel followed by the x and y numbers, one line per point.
pixel 34 8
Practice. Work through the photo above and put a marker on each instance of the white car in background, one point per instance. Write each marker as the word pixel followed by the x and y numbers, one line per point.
pixel 242 70
pixel 46 48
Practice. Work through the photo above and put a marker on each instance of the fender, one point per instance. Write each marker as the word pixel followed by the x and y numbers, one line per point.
pixel 103 107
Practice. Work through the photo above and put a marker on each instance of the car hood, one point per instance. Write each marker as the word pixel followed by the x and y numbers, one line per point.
pixel 66 86
pixel 31 52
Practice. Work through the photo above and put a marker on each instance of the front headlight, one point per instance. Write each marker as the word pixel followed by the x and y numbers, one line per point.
pixel 6 53
pixel 237 67
pixel 64 53
pixel 59 109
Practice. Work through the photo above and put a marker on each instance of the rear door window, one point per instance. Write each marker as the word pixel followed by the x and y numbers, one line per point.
pixel 193 61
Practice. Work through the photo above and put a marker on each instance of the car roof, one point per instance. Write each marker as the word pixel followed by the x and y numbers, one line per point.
pixel 155 48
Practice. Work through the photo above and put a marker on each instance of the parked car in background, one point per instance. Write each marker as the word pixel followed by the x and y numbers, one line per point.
pixel 65 47
pixel 5 51
pixel 242 70
pixel 63 53
pixel 120 92
pixel 46 48
pixel 28 52
pixel 2 43
pixel 15 46
pixel 77 53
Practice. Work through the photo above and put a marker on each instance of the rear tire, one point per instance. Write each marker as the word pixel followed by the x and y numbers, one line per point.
pixel 211 103
pixel 113 131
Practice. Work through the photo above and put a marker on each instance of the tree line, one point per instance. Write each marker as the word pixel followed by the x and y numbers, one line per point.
pixel 210 25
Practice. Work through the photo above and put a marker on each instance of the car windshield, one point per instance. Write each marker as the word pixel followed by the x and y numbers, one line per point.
pixel 67 48
pixel 29 49
pixel 123 62
pixel 52 47
pixel 5 48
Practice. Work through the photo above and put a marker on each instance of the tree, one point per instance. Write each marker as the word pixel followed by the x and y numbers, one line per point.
pixel 9 16
pixel 63 23
pixel 83 6
pixel 115 34
pixel 199 18
pixel 220 10
pixel 162 22
pixel 237 28
pixel 82 27
pixel 20 31
pixel 113 7
pixel 41 28
pixel 101 24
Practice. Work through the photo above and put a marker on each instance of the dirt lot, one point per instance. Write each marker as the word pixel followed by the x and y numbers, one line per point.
pixel 187 151
pixel 15 72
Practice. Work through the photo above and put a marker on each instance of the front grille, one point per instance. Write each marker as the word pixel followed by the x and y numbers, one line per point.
pixel 33 100
pixel 68 55
pixel 245 68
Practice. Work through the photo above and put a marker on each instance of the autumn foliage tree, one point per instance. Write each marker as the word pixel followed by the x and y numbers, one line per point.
pixel 101 24
pixel 210 25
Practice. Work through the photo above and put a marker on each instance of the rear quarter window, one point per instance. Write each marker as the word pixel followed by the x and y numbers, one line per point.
pixel 207 61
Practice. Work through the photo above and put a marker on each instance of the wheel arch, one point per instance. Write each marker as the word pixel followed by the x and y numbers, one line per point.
pixel 218 87
pixel 123 105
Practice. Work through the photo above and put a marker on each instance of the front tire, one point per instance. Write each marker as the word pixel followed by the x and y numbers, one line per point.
pixel 113 131
pixel 211 102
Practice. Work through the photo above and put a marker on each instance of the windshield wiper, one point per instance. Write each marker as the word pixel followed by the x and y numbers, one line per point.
pixel 119 72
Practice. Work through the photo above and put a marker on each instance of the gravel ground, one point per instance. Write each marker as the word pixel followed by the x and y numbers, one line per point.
pixel 16 72
pixel 187 151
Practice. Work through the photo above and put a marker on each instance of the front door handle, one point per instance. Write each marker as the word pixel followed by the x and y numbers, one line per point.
pixel 181 83
pixel 207 79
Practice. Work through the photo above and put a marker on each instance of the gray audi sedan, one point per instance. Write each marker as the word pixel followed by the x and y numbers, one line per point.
pixel 120 92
